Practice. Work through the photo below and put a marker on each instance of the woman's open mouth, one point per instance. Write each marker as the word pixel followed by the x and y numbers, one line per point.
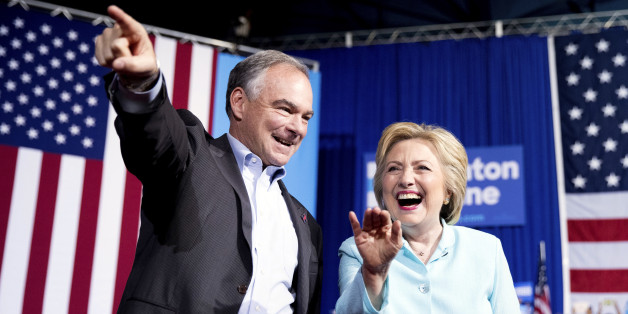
pixel 408 201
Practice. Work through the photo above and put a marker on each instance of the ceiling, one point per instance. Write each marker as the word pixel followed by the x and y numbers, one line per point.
pixel 282 17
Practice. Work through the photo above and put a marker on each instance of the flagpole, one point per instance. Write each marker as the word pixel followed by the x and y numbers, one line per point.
pixel 542 298
pixel 560 176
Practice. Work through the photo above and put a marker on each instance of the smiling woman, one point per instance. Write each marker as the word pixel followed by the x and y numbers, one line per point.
pixel 413 186
pixel 436 149
pixel 408 254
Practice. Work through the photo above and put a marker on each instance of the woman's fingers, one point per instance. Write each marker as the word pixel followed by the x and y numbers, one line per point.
pixel 355 224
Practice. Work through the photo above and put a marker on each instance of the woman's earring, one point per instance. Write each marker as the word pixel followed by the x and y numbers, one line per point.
pixel 446 202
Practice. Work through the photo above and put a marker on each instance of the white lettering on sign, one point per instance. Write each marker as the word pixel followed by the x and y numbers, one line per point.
pixel 491 171
pixel 477 196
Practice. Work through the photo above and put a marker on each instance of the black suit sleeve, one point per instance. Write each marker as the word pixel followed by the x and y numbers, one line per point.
pixel 154 143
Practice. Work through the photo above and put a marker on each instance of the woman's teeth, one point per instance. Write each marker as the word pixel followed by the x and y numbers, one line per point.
pixel 409 199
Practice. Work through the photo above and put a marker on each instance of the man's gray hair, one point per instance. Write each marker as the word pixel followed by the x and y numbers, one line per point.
pixel 249 73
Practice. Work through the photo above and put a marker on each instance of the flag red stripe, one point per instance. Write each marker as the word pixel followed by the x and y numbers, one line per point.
pixel 128 235
pixel 212 91
pixel 590 230
pixel 542 302
pixel 181 85
pixel 612 280
pixel 8 161
pixel 86 237
pixel 42 233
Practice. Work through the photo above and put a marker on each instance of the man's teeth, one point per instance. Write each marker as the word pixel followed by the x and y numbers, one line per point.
pixel 283 141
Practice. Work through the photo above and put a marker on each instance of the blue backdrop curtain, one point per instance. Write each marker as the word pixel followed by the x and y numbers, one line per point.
pixel 488 92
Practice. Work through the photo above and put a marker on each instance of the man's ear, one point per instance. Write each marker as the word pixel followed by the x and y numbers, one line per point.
pixel 237 100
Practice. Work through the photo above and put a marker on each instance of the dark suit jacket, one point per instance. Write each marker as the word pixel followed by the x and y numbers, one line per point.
pixel 194 249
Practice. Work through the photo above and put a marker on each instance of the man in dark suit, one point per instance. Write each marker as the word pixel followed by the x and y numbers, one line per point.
pixel 220 233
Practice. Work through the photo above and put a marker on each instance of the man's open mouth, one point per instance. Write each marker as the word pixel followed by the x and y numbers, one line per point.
pixel 282 141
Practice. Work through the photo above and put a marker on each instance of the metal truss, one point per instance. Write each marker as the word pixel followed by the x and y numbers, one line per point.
pixel 96 19
pixel 541 26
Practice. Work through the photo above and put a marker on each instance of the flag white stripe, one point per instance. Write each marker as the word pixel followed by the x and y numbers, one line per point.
pixel 597 205
pixel 20 230
pixel 542 306
pixel 598 255
pixel 64 234
pixel 105 264
pixel 165 49
pixel 200 82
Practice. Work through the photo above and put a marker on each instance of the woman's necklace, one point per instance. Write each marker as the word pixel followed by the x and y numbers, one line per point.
pixel 427 248
pixel 417 252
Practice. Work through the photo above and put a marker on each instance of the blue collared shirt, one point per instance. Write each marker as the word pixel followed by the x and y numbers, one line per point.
pixel 468 273
pixel 274 240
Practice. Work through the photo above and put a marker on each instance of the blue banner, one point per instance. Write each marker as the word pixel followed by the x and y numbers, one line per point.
pixel 525 294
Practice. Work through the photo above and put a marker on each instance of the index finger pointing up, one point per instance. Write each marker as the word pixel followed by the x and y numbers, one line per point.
pixel 127 23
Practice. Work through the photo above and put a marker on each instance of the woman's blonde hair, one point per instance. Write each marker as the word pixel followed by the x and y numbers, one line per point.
pixel 449 151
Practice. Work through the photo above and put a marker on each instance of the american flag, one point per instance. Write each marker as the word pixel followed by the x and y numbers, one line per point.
pixel 542 303
pixel 69 210
pixel 592 81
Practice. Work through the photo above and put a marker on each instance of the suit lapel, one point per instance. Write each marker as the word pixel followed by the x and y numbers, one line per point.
pixel 221 150
pixel 222 153
pixel 298 214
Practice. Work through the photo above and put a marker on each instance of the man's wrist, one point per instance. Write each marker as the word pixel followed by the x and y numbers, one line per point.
pixel 131 101
pixel 141 85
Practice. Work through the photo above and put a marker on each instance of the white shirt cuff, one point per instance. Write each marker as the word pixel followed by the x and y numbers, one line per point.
pixel 135 102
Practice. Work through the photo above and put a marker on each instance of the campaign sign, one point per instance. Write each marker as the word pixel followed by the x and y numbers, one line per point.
pixel 525 294
pixel 495 186
pixel 369 161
